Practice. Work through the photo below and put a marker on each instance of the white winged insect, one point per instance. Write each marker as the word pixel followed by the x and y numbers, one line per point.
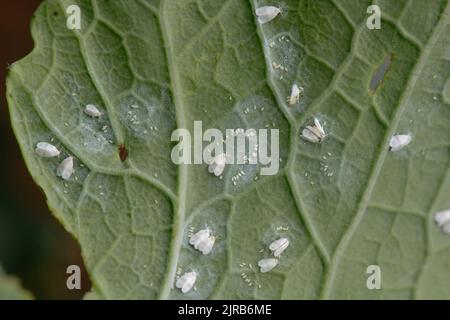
pixel 278 246
pixel 92 111
pixel 65 169
pixel 442 219
pixel 203 241
pixel 399 141
pixel 267 13
pixel 267 264
pixel 217 164
pixel 46 150
pixel 295 94
pixel 186 281
pixel 315 133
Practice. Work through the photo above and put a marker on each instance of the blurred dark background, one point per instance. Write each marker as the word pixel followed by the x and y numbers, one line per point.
pixel 33 244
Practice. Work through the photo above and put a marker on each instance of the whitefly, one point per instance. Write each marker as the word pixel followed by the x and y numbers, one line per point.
pixel 46 150
pixel 92 111
pixel 267 13
pixel 203 241
pixel 187 281
pixel 295 95
pixel 399 141
pixel 442 219
pixel 267 264
pixel 217 165
pixel 314 133
pixel 278 246
pixel 65 169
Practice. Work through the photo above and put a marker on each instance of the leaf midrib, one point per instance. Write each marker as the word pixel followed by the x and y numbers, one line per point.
pixel 180 204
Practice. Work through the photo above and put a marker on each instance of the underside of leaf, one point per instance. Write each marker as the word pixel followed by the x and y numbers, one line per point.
pixel 347 203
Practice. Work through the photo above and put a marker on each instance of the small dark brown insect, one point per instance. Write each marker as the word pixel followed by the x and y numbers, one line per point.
pixel 123 152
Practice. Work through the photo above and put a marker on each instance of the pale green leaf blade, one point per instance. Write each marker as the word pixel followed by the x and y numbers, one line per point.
pixel 11 289
pixel 153 66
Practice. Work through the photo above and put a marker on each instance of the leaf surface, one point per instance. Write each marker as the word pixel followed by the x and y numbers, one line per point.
pixel 10 288
pixel 154 66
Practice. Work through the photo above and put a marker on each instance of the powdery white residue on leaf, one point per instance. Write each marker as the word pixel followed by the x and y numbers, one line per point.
pixel 96 140
pixel 146 118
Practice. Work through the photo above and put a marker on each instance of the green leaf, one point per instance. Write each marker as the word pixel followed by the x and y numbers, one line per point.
pixel 344 204
pixel 10 288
